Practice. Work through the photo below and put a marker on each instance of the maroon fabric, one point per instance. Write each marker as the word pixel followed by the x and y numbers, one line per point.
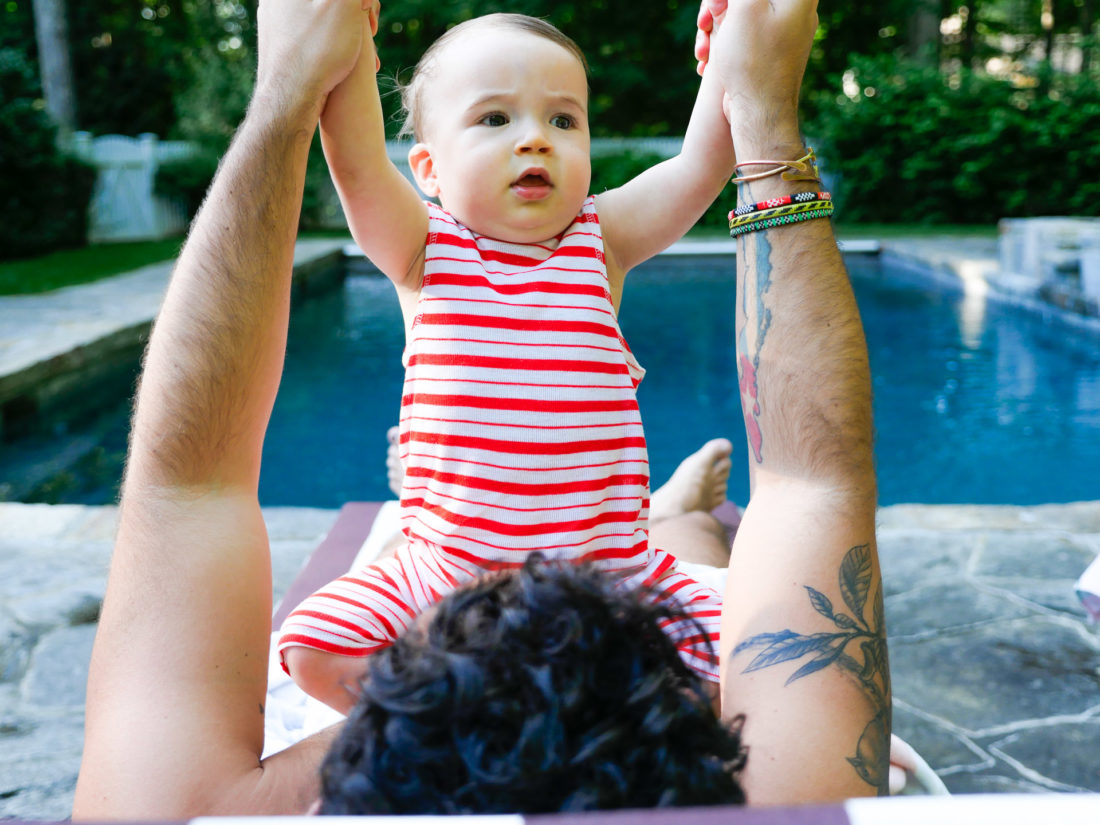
pixel 811 815
pixel 729 514
pixel 333 555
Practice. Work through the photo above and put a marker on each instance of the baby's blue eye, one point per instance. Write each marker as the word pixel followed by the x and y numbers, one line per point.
pixel 494 119
pixel 562 122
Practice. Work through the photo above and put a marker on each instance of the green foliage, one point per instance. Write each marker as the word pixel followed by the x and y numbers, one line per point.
pixel 44 194
pixel 221 61
pixel 643 79
pixel 612 170
pixel 319 207
pixel 128 64
pixel 918 146
pixel 187 179
pixel 17 27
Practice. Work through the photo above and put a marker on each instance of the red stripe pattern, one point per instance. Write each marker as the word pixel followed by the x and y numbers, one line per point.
pixel 520 431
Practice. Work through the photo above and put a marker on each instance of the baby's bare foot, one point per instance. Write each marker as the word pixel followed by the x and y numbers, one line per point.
pixel 395 473
pixel 699 483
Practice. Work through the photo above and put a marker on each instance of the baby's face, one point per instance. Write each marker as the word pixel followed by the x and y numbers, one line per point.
pixel 506 132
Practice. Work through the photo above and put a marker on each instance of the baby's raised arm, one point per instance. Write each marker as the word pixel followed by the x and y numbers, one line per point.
pixel 656 209
pixel 387 217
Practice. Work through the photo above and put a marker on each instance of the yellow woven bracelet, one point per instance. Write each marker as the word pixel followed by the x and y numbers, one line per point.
pixel 779 212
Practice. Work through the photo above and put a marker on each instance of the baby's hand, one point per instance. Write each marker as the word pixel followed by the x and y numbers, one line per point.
pixel 360 75
pixel 711 13
pixel 373 8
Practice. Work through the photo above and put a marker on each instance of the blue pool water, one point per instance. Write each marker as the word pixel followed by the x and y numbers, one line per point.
pixel 974 402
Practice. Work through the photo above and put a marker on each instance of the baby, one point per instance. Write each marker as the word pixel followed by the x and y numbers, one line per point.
pixel 519 427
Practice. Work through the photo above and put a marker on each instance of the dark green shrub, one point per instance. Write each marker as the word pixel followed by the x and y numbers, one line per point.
pixel 918 146
pixel 612 170
pixel 187 179
pixel 44 193
pixel 320 208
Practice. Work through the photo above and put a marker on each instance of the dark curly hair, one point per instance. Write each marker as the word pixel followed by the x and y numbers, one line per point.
pixel 548 688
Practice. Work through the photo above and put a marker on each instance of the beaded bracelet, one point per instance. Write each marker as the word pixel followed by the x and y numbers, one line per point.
pixel 778 212
pixel 771 203
pixel 803 169
pixel 762 222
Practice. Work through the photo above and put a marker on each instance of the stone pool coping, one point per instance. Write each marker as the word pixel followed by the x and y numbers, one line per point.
pixel 49 338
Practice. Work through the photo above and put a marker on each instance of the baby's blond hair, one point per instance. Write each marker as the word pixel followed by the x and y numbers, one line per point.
pixel 412 93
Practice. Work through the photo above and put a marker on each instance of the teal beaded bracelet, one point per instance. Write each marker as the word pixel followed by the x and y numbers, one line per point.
pixel 767 222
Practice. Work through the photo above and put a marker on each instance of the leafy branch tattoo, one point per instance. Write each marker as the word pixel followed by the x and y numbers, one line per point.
pixel 755 250
pixel 869 666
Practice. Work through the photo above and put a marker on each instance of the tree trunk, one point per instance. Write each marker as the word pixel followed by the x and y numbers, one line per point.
pixel 1047 23
pixel 1088 20
pixel 970 29
pixel 924 31
pixel 52 33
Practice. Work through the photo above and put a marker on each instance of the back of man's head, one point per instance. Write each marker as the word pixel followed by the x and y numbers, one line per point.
pixel 546 689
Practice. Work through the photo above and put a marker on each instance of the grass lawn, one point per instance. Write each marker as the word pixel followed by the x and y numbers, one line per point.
pixel 877 232
pixel 899 231
pixel 81 266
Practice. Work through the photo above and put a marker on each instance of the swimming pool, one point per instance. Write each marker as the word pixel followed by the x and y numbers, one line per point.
pixel 974 402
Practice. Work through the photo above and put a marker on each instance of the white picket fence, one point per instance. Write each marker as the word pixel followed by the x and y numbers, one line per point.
pixel 124 206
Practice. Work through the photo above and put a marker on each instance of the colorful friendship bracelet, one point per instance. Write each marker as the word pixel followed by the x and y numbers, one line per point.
pixel 778 212
pixel 803 169
pixel 781 220
pixel 771 203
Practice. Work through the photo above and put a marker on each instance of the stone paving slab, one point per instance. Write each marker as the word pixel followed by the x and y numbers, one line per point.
pixel 44 326
pixel 53 573
pixel 996 668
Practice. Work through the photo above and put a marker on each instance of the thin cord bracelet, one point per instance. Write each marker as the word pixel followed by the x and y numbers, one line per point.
pixel 778 212
pixel 803 169
pixel 770 203
pixel 771 223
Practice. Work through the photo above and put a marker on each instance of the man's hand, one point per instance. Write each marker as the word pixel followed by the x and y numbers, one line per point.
pixel 759 50
pixel 306 47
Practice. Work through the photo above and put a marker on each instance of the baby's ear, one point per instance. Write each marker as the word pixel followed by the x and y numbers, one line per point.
pixel 423 169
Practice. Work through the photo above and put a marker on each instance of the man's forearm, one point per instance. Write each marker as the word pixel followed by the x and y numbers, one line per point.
pixel 803 370
pixel 216 352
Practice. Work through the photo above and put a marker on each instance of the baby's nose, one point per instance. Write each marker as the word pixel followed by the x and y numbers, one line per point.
pixel 534 140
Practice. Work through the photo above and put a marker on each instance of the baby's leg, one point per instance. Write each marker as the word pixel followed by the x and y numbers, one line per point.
pixel 327 677
pixel 326 640
pixel 395 473
pixel 696 537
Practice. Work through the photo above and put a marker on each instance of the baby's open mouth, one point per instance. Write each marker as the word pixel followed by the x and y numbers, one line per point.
pixel 533 178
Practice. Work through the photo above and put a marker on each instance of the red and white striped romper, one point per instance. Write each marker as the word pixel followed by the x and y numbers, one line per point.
pixel 520 431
